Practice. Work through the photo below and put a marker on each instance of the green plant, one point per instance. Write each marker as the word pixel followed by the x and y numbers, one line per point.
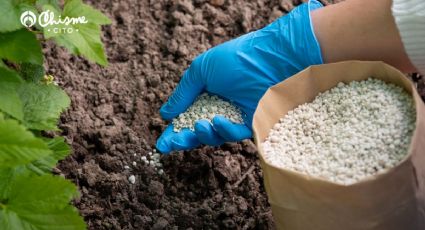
pixel 30 197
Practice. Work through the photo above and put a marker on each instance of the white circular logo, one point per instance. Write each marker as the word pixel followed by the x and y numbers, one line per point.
pixel 28 18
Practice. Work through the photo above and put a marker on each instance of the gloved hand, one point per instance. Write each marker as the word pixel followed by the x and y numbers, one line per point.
pixel 241 70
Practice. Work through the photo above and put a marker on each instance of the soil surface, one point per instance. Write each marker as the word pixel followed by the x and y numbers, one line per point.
pixel 114 120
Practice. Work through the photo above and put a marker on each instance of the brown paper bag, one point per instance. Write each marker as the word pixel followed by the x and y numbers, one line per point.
pixel 393 200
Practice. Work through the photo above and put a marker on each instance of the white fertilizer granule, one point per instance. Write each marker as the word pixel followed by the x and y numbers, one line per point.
pixel 206 107
pixel 346 134
pixel 132 179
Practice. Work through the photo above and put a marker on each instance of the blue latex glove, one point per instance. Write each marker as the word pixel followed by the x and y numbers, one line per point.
pixel 241 70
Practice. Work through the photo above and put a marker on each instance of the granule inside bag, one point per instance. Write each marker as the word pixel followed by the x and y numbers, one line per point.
pixel 346 134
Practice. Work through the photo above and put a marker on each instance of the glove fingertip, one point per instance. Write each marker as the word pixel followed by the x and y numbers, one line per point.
pixel 202 126
pixel 231 131
pixel 221 123
pixel 166 112
pixel 163 144
pixel 162 147
pixel 206 133
pixel 185 140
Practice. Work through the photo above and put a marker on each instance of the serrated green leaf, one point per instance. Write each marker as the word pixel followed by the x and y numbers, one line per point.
pixel 59 147
pixel 60 150
pixel 20 46
pixel 32 72
pixel 39 203
pixel 10 102
pixel 18 146
pixel 42 105
pixel 85 43
pixel 76 8
pixel 85 38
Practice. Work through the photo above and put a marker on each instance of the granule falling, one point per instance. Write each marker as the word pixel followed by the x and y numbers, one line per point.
pixel 346 134
pixel 132 179
pixel 206 107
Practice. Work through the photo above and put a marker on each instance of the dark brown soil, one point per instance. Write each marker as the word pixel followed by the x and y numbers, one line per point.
pixel 114 115
pixel 114 120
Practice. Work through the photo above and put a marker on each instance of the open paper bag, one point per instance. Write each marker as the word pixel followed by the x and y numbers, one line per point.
pixel 394 200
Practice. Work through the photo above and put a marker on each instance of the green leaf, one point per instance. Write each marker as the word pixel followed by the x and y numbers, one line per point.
pixel 42 105
pixel 76 8
pixel 20 46
pixel 39 203
pixel 40 167
pixel 9 16
pixel 10 102
pixel 18 146
pixel 8 175
pixel 59 147
pixel 32 72
pixel 8 75
pixel 10 13
pixel 60 150
pixel 54 3
pixel 85 38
